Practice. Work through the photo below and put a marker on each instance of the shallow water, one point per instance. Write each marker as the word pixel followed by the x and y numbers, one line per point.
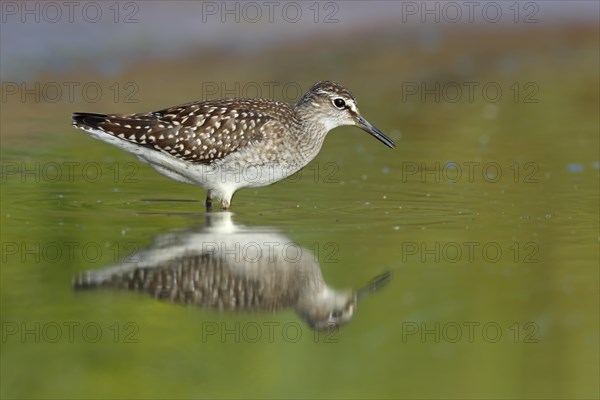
pixel 487 220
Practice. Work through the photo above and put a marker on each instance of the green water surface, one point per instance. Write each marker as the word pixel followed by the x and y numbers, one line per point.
pixel 485 213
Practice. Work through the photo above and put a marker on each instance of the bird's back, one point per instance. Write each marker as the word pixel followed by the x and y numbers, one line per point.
pixel 198 132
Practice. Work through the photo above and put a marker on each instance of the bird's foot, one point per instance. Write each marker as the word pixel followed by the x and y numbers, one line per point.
pixel 225 204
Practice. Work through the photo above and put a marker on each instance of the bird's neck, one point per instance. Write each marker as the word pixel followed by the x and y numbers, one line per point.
pixel 313 129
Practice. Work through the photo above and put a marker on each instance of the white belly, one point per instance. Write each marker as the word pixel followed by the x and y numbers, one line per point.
pixel 245 168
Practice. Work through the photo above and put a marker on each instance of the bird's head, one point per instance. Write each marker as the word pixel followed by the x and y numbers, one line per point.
pixel 329 309
pixel 335 106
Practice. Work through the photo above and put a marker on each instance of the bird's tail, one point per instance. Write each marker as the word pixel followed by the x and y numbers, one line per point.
pixel 88 120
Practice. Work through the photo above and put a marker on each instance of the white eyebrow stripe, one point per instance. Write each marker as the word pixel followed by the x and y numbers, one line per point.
pixel 352 106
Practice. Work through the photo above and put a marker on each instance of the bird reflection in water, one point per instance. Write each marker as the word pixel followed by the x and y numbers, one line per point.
pixel 231 267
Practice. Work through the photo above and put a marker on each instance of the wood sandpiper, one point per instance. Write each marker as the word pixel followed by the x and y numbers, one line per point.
pixel 225 145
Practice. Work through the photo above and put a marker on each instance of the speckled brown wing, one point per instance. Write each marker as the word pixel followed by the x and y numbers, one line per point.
pixel 199 132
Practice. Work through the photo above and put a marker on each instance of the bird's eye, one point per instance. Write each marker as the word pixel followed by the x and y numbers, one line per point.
pixel 337 313
pixel 339 102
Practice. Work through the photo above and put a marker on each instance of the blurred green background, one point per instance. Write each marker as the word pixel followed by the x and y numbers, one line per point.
pixel 514 171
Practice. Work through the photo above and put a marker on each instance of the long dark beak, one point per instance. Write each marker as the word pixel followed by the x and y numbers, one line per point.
pixel 367 127
pixel 376 283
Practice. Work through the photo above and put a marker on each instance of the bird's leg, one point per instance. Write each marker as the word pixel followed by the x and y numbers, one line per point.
pixel 208 202
pixel 225 203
